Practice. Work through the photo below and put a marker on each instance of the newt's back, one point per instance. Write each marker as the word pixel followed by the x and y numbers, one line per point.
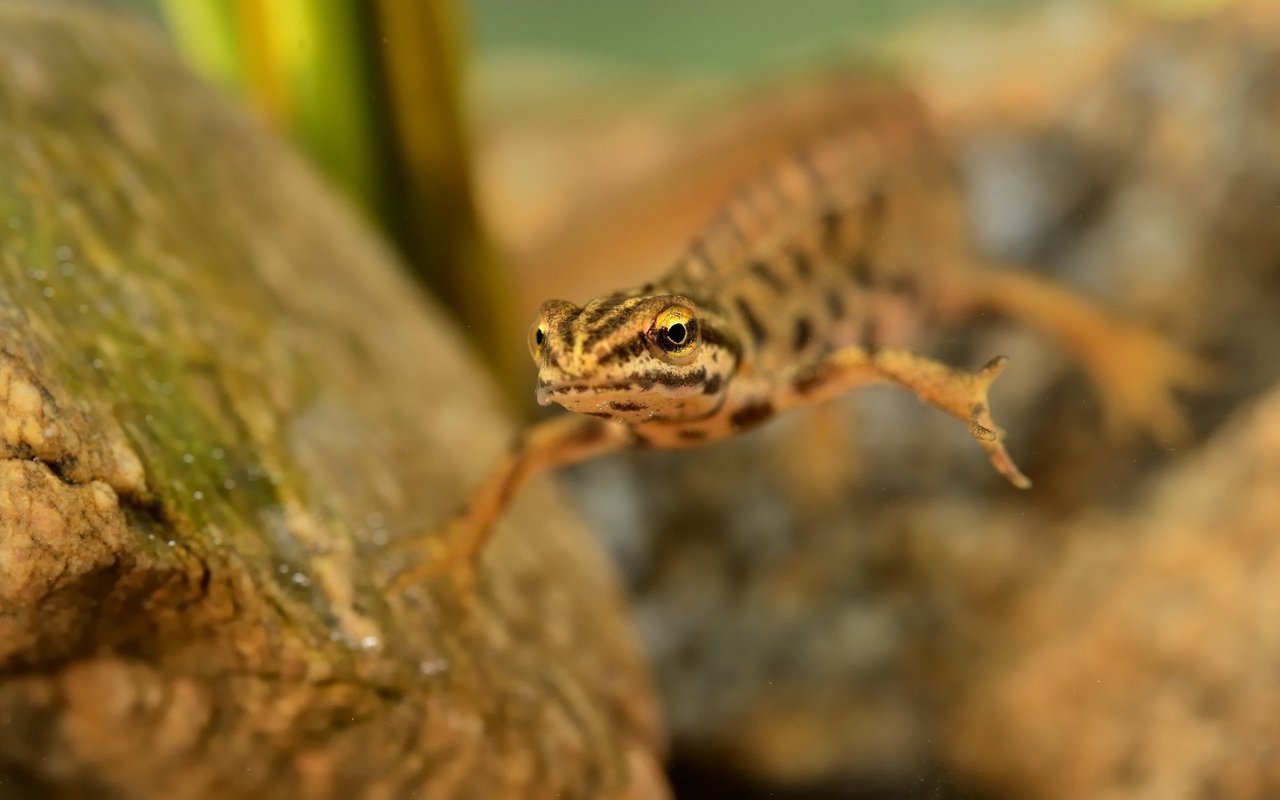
pixel 838 244
pixel 796 293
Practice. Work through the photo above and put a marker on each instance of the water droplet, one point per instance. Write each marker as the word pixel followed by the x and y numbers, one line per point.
pixel 197 494
pixel 62 253
pixel 283 569
pixel 67 270
pixel 188 458
pixel 47 291
pixel 98 363
pixel 217 453
pixel 36 274
pixel 300 579
pixel 369 643
pixel 171 543
pixel 229 483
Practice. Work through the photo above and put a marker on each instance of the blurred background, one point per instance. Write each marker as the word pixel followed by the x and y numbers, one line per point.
pixel 848 603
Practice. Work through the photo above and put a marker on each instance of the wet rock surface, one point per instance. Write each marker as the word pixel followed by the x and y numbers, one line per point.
pixel 220 401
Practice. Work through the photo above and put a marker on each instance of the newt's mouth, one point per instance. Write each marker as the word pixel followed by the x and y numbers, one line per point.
pixel 666 385
pixel 549 392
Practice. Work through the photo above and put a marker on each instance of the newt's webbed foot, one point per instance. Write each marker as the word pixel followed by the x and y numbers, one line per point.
pixel 961 394
pixel 435 555
pixel 1137 372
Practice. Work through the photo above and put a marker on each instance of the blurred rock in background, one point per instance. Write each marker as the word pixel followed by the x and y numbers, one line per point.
pixel 848 600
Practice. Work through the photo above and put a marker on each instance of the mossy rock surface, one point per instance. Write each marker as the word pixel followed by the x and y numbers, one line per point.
pixel 220 400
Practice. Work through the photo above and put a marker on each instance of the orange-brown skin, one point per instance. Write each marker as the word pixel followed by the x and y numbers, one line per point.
pixel 810 282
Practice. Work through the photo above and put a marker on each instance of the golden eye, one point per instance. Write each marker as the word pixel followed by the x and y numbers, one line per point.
pixel 675 332
pixel 537 338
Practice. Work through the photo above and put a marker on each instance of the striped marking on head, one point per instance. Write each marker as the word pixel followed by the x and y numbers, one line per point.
pixel 753 323
pixel 636 356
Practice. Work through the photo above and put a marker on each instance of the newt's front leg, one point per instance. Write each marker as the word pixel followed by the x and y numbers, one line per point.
pixel 960 393
pixel 555 442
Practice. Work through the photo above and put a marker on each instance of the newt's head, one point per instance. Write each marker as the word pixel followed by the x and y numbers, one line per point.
pixel 634 357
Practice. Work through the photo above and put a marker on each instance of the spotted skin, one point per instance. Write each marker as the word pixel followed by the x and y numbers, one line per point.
pixel 800 265
pixel 810 282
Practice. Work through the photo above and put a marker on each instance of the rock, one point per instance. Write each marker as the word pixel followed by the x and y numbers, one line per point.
pixel 1144 664
pixel 221 400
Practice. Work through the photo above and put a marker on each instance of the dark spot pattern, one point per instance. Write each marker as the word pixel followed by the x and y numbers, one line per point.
pixel 669 378
pixel 803 265
pixel 803 334
pixel 905 285
pixel 590 432
pixel 714 337
pixel 691 434
pixel 877 207
pixel 810 379
pixel 753 322
pixel 621 405
pixel 835 304
pixel 767 276
pixel 859 269
pixel 605 307
pixel 625 351
pixel 751 415
pixel 566 337
pixel 608 323
pixel 831 225
pixel 713 385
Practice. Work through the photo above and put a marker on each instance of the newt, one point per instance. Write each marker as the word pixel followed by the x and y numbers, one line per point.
pixel 808 283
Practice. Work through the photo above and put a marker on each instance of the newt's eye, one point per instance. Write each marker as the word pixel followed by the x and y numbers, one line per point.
pixel 675 333
pixel 537 338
